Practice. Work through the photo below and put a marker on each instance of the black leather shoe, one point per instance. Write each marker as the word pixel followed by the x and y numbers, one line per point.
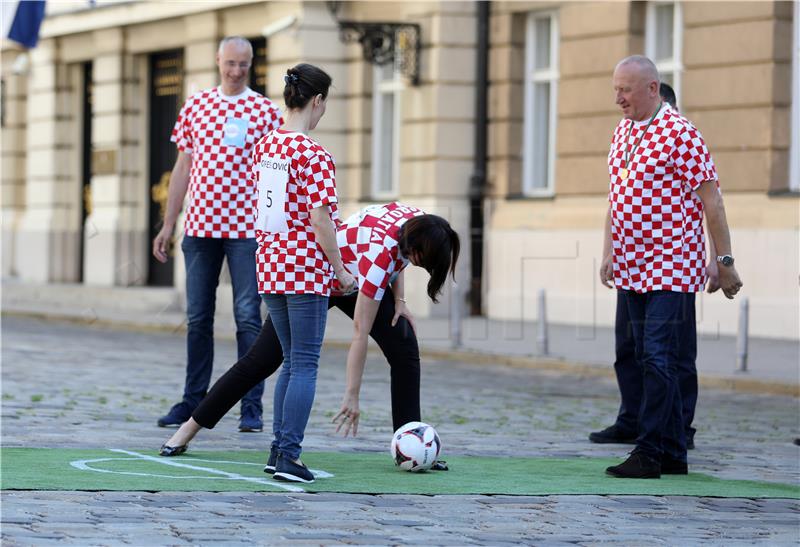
pixel 637 466
pixel 272 461
pixel 440 465
pixel 671 466
pixel 172 450
pixel 612 434
pixel 287 470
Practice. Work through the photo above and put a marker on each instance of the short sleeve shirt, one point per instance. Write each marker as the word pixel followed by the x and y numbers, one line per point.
pixel 369 245
pixel 656 216
pixel 219 132
pixel 290 261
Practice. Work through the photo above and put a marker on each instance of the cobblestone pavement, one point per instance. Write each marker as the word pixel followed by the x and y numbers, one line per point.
pixel 69 385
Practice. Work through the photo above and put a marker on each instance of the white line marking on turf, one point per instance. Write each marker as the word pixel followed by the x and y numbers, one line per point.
pixel 233 476
pixel 83 466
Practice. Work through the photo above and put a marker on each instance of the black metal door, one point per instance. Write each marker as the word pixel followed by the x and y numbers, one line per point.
pixel 86 164
pixel 166 85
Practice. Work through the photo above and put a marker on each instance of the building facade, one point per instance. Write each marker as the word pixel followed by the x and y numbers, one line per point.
pixel 497 116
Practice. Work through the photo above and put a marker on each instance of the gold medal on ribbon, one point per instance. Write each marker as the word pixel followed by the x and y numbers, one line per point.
pixel 628 153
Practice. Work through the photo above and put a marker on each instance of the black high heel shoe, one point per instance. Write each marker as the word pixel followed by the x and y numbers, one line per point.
pixel 172 450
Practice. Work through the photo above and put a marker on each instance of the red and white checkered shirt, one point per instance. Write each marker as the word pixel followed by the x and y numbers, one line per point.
pixel 656 216
pixel 368 242
pixel 219 132
pixel 289 260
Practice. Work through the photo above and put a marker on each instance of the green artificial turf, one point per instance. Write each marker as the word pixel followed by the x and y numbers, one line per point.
pixel 372 473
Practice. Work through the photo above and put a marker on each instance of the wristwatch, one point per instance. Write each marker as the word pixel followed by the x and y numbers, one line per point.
pixel 725 260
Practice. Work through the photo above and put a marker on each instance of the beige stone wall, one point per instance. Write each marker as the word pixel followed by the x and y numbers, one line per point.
pixel 437 129
pixel 556 246
pixel 737 91
pixel 437 123
pixel 12 157
pixel 46 245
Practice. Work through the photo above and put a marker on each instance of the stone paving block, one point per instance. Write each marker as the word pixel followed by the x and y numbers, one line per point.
pixel 314 536
pixel 379 501
pixel 408 523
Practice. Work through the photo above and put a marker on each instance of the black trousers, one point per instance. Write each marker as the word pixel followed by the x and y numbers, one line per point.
pixel 630 373
pixel 398 344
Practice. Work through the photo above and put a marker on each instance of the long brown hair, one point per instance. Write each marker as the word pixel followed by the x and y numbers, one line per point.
pixel 435 245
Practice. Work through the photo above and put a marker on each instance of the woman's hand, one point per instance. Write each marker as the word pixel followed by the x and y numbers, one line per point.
pixel 400 309
pixel 347 283
pixel 347 417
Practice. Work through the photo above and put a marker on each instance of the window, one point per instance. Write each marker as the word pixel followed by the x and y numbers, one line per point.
pixel 794 155
pixel 541 91
pixel 664 41
pixel 387 87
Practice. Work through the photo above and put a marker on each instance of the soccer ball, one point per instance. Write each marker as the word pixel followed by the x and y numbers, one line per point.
pixel 415 447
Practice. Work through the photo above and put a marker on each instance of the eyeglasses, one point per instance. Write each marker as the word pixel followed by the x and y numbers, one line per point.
pixel 234 64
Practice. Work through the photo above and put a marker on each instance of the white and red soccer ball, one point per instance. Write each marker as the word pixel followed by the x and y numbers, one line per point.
pixel 415 447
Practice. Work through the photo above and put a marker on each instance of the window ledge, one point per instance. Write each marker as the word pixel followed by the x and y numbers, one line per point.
pixel 784 193
pixel 550 196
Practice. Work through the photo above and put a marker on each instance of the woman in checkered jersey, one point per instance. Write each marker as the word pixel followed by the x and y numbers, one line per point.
pixel 376 244
pixel 296 215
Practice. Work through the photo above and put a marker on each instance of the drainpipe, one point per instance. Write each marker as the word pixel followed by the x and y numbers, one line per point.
pixel 478 179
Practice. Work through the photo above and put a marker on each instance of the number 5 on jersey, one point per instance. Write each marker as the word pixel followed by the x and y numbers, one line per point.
pixel 273 177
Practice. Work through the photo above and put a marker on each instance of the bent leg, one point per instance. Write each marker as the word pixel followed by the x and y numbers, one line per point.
pixel 263 359
pixel 246 304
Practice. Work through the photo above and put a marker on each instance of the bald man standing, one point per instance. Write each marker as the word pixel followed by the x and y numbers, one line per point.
pixel 662 179
pixel 215 134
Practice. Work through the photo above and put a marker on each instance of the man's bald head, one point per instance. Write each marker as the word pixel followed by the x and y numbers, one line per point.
pixel 642 66
pixel 636 85
pixel 234 57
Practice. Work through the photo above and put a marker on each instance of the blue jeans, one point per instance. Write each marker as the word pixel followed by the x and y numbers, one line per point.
pixel 629 372
pixel 299 321
pixel 657 321
pixel 203 257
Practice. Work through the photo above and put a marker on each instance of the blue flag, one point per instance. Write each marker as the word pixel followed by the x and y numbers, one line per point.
pixel 27 18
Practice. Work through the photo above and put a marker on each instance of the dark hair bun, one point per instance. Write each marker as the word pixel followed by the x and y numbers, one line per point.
pixel 303 82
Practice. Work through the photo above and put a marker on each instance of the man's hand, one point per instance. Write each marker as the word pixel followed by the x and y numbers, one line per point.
pixel 712 276
pixel 729 281
pixel 161 244
pixel 607 271
pixel 400 309
pixel 347 417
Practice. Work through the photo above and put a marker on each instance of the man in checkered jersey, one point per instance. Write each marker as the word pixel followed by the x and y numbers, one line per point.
pixel 662 179
pixel 627 369
pixel 215 133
